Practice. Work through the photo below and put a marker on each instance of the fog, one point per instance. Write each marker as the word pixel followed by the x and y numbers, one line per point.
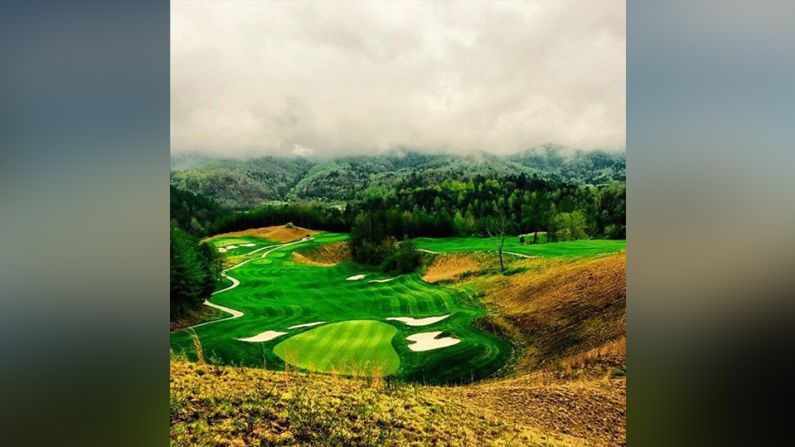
pixel 331 78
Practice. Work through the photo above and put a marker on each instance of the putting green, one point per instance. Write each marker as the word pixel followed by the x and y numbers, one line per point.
pixel 359 347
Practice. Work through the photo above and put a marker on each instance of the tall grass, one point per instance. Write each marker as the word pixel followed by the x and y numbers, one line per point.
pixel 197 345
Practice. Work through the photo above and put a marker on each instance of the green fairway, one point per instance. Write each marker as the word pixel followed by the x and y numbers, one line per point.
pixel 567 249
pixel 276 294
pixel 350 347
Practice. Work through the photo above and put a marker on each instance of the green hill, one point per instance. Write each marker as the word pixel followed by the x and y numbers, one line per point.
pixel 248 183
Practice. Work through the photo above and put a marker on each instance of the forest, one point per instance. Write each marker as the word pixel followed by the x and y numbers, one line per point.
pixel 382 218
pixel 452 208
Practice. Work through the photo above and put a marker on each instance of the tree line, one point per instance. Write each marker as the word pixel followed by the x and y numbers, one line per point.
pixel 456 208
pixel 195 267
pixel 384 219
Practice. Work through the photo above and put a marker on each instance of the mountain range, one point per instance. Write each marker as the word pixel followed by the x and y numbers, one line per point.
pixel 244 183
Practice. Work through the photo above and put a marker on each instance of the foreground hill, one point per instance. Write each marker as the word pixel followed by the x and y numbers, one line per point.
pixel 248 183
pixel 228 406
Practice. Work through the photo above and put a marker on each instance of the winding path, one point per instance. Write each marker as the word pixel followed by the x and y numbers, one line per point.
pixel 519 254
pixel 428 251
pixel 235 282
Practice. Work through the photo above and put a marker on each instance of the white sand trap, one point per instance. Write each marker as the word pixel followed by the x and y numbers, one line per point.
pixel 427 341
pixel 264 336
pixel 230 247
pixel 382 280
pixel 248 245
pixel 408 321
pixel 221 250
pixel 306 325
pixel 355 277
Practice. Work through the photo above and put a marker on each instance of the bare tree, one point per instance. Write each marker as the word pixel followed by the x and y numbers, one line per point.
pixel 498 229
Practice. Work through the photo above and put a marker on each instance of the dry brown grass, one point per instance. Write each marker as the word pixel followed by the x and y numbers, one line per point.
pixel 197 345
pixel 561 308
pixel 325 255
pixel 613 353
pixel 592 411
pixel 452 267
pixel 280 233
pixel 227 406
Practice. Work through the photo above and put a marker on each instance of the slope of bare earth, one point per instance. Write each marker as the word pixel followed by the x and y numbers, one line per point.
pixel 559 310
pixel 280 233
pixel 453 267
pixel 325 255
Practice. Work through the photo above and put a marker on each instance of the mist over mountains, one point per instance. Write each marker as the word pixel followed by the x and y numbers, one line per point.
pixel 243 183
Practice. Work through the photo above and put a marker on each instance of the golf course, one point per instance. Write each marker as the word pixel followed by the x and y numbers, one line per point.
pixel 342 318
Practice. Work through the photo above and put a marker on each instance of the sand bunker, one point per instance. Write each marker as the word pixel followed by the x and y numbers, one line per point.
pixel 418 321
pixel 264 336
pixel 427 341
pixel 248 245
pixel 306 325
pixel 355 277
pixel 382 280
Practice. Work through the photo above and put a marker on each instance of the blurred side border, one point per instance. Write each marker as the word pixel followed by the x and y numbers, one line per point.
pixel 84 132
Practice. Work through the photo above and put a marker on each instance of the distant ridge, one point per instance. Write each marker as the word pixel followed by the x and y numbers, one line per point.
pixel 250 182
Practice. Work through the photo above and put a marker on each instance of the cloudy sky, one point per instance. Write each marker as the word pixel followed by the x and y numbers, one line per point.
pixel 328 78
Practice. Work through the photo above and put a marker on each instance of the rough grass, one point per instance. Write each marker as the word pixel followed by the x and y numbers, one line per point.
pixel 280 233
pixel 203 313
pixel 228 406
pixel 560 308
pixel 452 267
pixel 324 255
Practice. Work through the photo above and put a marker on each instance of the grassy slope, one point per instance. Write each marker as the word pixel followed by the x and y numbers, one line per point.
pixel 565 313
pixel 225 406
pixel 276 293
pixel 556 309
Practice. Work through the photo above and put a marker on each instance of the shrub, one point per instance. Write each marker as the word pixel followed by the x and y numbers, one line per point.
pixel 403 259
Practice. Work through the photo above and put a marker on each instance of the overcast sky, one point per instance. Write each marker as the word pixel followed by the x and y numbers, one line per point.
pixel 329 78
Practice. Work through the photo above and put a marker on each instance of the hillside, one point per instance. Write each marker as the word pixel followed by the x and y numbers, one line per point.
pixel 248 183
pixel 240 183
pixel 229 406
pixel 566 386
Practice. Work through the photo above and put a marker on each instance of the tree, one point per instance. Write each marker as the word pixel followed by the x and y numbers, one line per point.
pixel 404 259
pixel 211 265
pixel 187 277
pixel 569 226
pixel 459 224
pixel 498 228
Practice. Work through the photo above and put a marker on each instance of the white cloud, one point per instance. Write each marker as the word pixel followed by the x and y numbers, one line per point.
pixel 302 151
pixel 254 78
